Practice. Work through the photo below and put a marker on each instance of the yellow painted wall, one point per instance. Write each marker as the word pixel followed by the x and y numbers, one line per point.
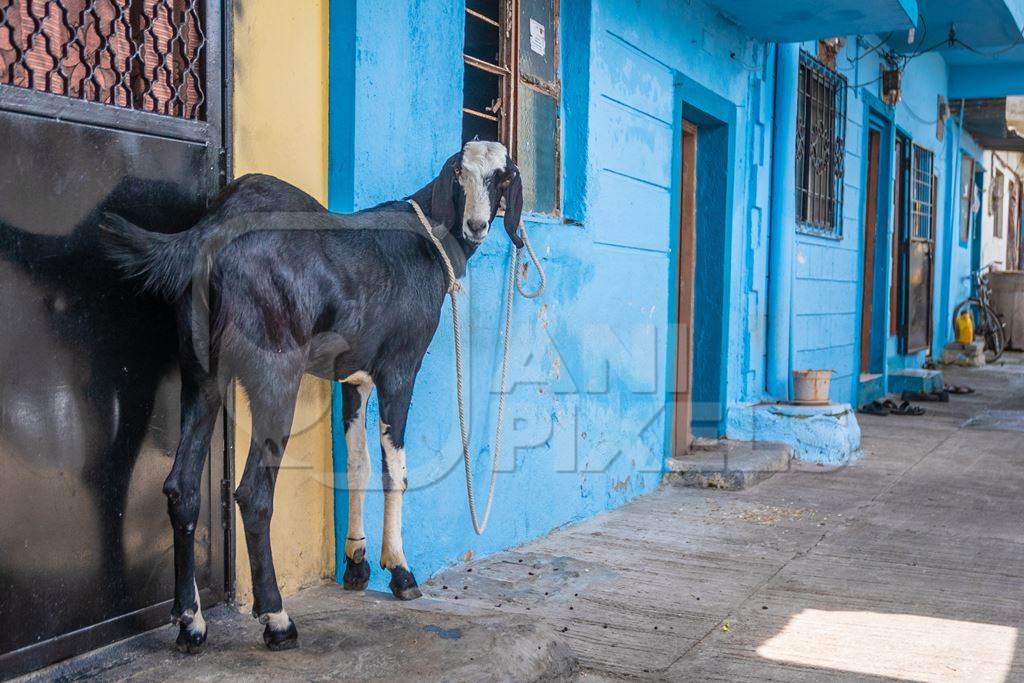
pixel 280 128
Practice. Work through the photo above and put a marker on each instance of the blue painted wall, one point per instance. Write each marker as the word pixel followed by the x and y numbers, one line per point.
pixel 925 79
pixel 829 271
pixel 589 409
pixel 586 429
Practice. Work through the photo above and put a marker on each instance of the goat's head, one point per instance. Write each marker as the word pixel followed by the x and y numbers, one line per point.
pixel 468 192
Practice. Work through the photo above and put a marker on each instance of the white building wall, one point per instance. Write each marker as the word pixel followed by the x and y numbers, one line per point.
pixel 1011 165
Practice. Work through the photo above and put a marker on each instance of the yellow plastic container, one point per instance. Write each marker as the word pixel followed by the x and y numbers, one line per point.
pixel 964 328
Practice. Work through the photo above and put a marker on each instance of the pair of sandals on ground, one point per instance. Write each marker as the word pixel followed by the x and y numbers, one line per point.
pixel 890 407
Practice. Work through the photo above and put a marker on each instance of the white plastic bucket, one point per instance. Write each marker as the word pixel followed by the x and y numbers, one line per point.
pixel 811 386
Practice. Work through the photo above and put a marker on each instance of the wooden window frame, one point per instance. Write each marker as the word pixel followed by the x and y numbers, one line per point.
pixel 507 69
pixel 501 69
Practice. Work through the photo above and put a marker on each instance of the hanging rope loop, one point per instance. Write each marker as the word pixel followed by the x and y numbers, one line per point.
pixel 515 282
pixel 521 279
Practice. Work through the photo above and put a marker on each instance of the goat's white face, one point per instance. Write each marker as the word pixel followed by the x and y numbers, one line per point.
pixel 482 164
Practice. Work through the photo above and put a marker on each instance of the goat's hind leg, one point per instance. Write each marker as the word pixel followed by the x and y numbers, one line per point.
pixel 354 398
pixel 272 409
pixel 201 398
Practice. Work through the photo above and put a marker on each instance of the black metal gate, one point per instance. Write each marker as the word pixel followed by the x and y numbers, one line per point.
pixel 104 105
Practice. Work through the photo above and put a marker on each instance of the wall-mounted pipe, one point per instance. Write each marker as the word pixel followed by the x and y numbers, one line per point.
pixel 783 223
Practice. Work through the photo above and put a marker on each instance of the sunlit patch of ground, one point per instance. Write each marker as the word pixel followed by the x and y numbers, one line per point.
pixel 902 646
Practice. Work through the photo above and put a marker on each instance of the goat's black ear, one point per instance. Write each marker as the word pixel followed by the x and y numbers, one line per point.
pixel 442 198
pixel 513 203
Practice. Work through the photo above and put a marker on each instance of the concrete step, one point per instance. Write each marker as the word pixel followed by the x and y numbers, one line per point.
pixel 870 388
pixel 915 379
pixel 730 465
pixel 968 355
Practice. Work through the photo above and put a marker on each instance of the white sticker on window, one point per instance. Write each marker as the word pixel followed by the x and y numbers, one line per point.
pixel 537 37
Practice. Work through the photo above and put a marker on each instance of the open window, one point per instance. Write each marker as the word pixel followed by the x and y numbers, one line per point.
pixel 511 90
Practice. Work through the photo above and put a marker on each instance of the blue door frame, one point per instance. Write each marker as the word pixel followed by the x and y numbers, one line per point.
pixel 976 228
pixel 879 120
pixel 880 286
pixel 901 229
pixel 715 118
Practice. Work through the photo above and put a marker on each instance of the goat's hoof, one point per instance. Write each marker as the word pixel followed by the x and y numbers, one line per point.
pixel 357 574
pixel 403 584
pixel 281 640
pixel 190 639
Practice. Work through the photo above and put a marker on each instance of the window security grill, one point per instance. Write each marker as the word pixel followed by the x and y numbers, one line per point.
pixel 820 145
pixel 922 212
pixel 136 54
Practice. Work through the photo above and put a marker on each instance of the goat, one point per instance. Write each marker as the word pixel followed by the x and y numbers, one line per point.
pixel 281 287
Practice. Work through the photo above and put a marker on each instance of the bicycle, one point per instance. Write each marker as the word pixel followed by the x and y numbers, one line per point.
pixel 988 324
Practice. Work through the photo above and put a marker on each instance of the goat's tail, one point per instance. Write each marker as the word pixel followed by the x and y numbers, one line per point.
pixel 163 262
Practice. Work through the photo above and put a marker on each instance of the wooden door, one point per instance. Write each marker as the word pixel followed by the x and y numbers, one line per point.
pixel 870 231
pixel 683 413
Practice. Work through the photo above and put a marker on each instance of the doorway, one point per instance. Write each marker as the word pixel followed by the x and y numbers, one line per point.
pixel 914 191
pixel 977 209
pixel 699 316
pixel 875 255
pixel 89 388
pixel 900 209
pixel 687 260
pixel 919 248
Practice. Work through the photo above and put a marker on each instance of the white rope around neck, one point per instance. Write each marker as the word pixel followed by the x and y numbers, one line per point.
pixel 513 283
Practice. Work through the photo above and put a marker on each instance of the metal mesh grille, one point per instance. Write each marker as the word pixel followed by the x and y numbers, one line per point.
pixel 820 146
pixel 137 54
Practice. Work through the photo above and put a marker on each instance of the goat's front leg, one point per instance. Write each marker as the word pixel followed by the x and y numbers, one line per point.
pixel 354 398
pixel 200 403
pixel 395 395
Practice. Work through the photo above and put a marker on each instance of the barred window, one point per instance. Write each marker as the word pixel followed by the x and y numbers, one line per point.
pixel 922 218
pixel 511 91
pixel 820 144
